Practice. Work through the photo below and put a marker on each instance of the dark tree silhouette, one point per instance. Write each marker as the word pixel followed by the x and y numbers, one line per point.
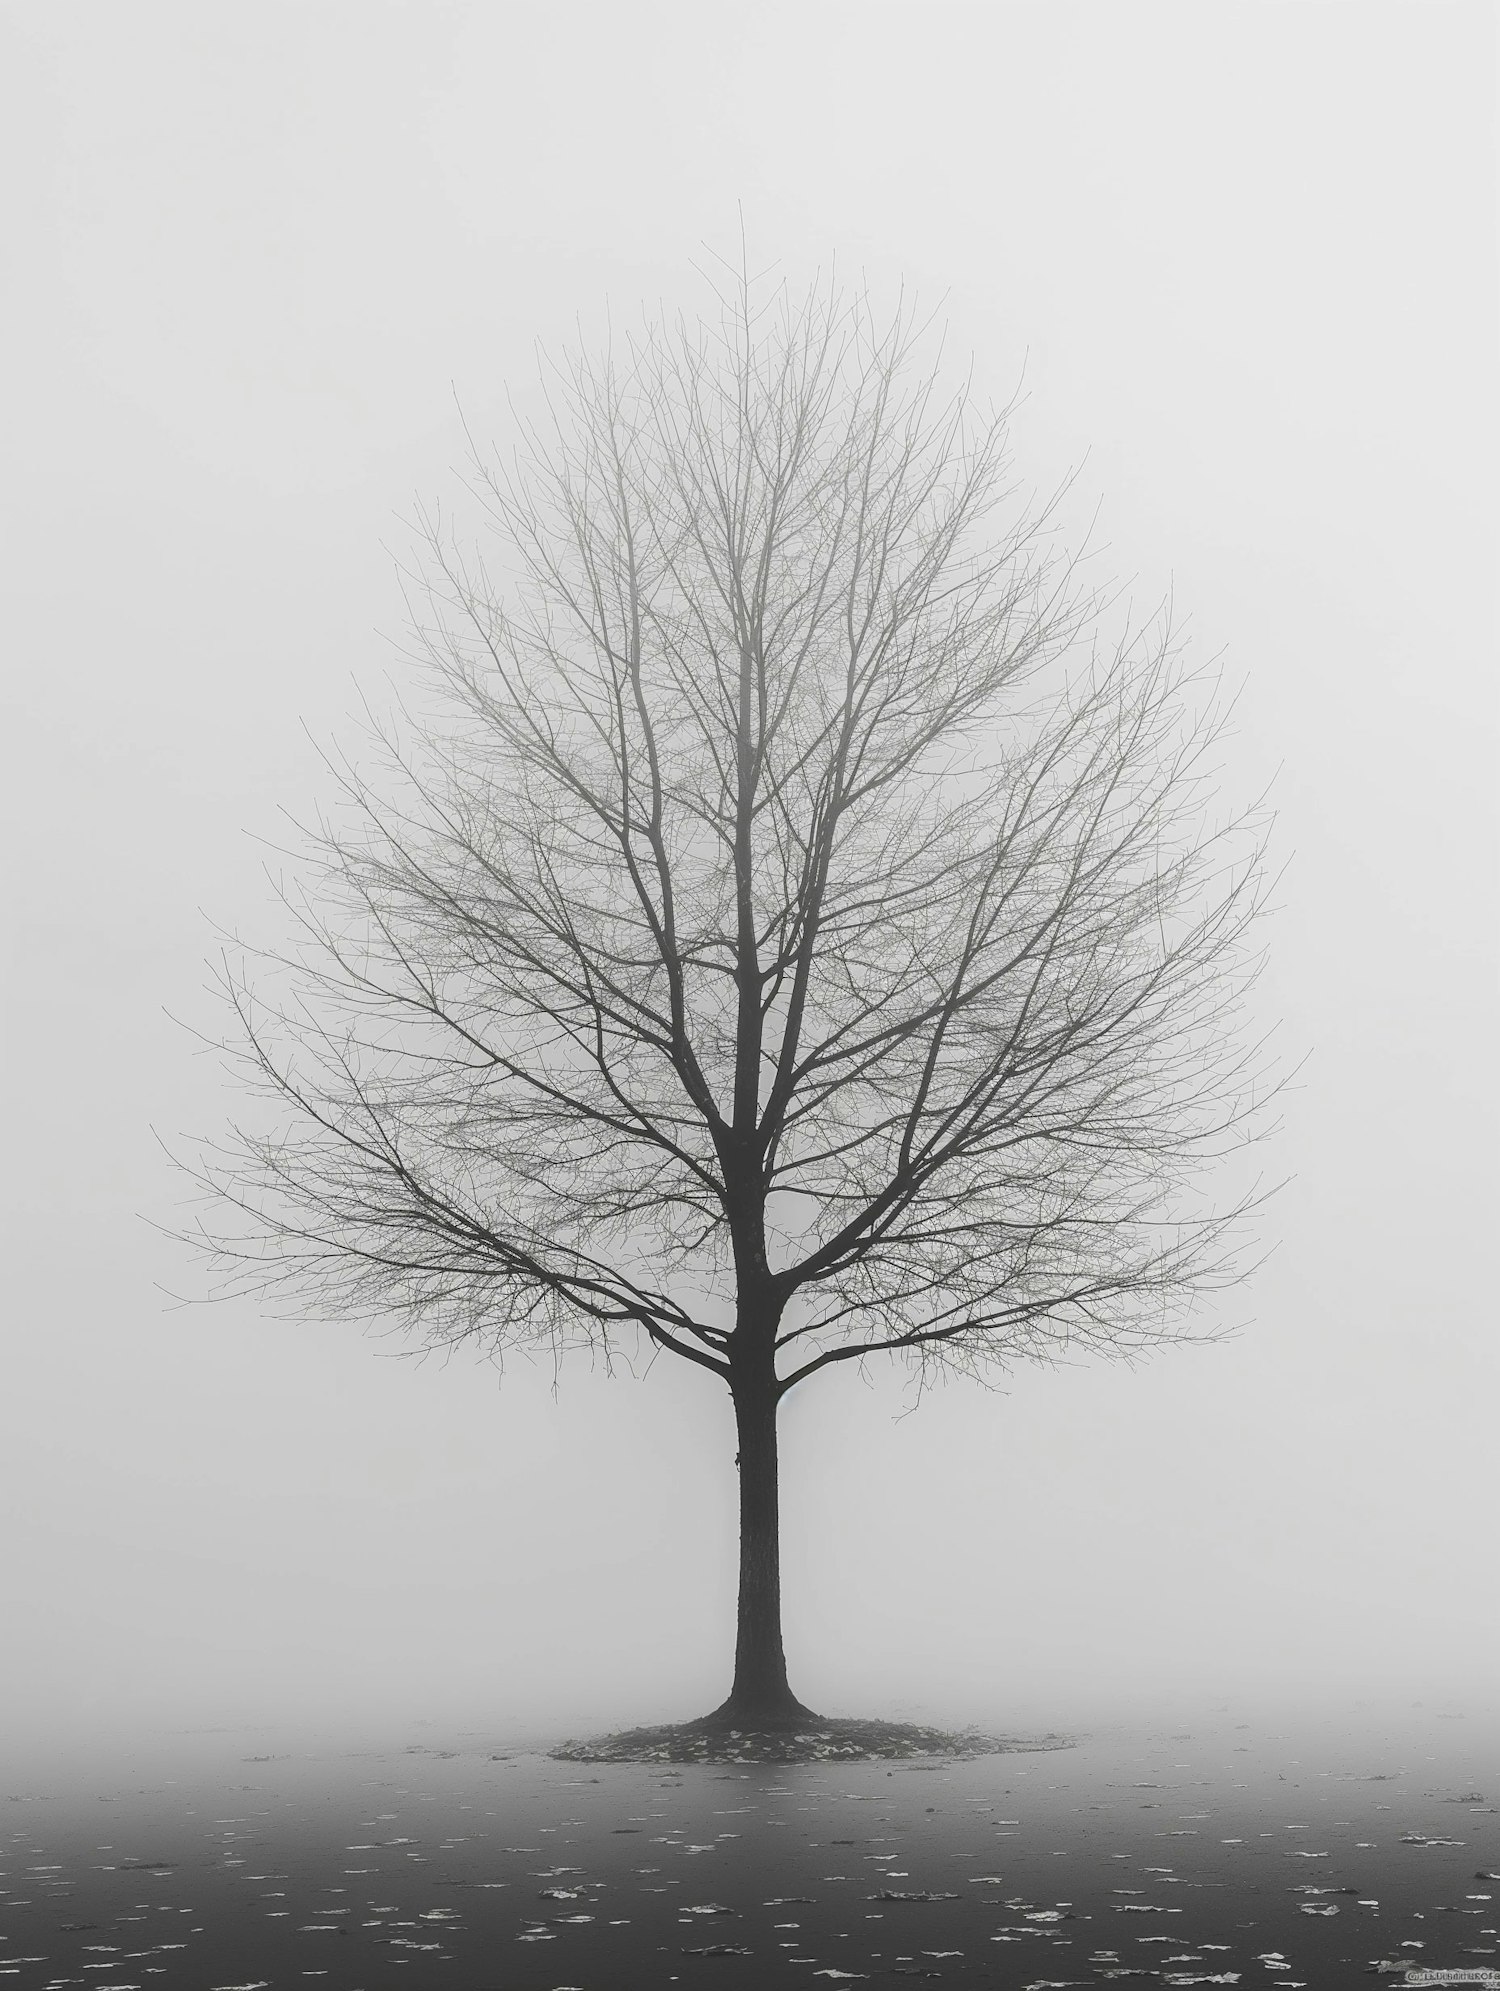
pixel 789 931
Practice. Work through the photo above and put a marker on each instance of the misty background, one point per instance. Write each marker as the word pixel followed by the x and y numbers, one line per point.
pixel 1245 258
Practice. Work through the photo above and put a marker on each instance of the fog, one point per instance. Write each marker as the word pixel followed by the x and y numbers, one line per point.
pixel 1244 259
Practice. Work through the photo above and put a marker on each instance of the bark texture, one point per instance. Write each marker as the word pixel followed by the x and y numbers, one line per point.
pixel 761 1696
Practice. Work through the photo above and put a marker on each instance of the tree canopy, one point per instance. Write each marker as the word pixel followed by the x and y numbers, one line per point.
pixel 757 850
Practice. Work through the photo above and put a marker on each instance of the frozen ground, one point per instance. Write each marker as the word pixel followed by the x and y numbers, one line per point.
pixel 1249 1854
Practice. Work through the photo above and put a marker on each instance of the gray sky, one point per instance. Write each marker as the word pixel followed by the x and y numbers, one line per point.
pixel 1247 257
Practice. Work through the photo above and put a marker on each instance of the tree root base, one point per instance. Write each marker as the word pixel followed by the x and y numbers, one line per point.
pixel 817 1740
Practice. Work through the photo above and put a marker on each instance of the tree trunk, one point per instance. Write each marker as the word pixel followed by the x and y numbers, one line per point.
pixel 760 1697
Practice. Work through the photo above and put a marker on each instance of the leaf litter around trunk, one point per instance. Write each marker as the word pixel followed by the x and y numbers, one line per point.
pixel 819 1741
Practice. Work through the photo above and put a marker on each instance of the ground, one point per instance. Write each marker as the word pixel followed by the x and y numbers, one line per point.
pixel 1224 1850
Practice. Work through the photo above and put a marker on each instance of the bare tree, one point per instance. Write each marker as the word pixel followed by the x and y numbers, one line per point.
pixel 788 931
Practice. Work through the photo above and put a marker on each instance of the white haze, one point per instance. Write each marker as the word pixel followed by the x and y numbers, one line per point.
pixel 1246 257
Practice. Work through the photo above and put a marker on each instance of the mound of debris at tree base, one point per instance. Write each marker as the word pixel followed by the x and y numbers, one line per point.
pixel 820 1742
